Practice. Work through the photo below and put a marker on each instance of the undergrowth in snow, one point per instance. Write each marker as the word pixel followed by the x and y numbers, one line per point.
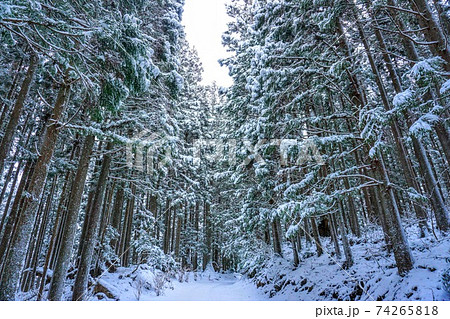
pixel 133 283
pixel 372 277
pixel 143 283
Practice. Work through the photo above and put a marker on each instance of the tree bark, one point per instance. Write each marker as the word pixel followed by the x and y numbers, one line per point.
pixel 117 213
pixel 7 139
pixel 4 107
pixel 295 252
pixel 334 235
pixel 402 253
pixel 29 276
pixel 81 279
pixel 432 31
pixel 207 232
pixel 347 251
pixel 68 235
pixel 128 222
pixel 15 260
pixel 167 219
pixel 276 238
pixel 316 237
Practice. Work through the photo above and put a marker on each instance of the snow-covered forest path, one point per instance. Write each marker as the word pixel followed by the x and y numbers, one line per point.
pixel 130 284
pixel 213 287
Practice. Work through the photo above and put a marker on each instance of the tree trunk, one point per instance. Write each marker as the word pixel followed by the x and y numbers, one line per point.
pixel 4 106
pixel 7 139
pixel 347 251
pixel 316 236
pixel 307 232
pixel 444 15
pixel 32 243
pixel 295 252
pixel 334 236
pixel 402 253
pixel 14 261
pixel 437 203
pixel 51 251
pixel 128 222
pixel 117 213
pixel 444 138
pixel 173 228
pixel 432 31
pixel 167 216
pixel 12 166
pixel 81 279
pixel 68 235
pixel 6 211
pixel 30 275
pixel 276 238
pixel 207 232
pixel 412 54
pixel 178 235
pixel 196 228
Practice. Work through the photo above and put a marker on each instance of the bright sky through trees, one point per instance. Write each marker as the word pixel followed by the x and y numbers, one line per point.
pixel 205 21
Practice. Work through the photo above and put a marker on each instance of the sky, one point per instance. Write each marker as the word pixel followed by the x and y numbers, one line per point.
pixel 205 21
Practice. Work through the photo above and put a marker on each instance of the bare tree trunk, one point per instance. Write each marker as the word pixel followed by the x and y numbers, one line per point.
pixel 128 226
pixel 402 253
pixel 334 235
pixel 7 139
pixel 444 138
pixel 295 252
pixel 173 228
pixel 207 232
pixel 412 182
pixel 10 197
pixel 353 217
pixel 62 209
pixel 117 213
pixel 316 236
pixel 276 238
pixel 87 214
pixel 432 31
pixel 4 106
pixel 14 261
pixel 178 235
pixel 13 161
pixel 30 275
pixel 167 215
pixel 105 221
pixel 347 251
pixel 196 227
pixel 307 232
pixel 68 235
pixel 14 215
pixel 437 203
pixel 32 242
pixel 81 279
pixel 50 250
pixel 444 15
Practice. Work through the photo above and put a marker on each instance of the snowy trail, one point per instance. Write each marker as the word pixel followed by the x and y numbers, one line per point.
pixel 209 288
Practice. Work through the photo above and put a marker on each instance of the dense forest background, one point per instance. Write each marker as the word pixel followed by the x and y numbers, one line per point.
pixel 114 154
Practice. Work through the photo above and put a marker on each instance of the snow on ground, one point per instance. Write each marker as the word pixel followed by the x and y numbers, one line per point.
pixel 146 284
pixel 372 277
pixel 217 287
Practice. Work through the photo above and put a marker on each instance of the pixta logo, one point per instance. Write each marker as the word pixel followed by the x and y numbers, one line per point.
pixel 291 151
pixel 147 151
